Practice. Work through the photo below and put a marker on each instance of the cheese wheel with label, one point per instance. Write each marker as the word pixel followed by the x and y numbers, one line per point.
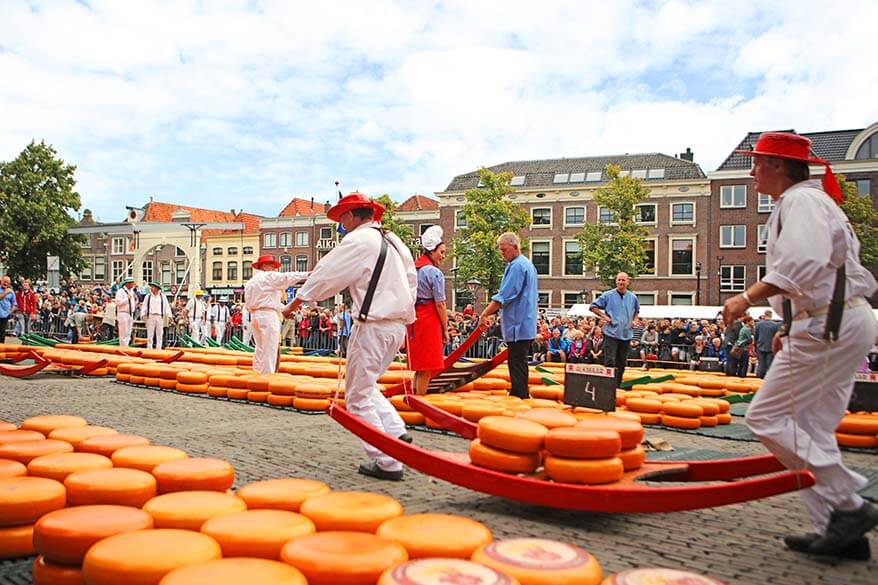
pixel 108 444
pixel 236 572
pixel 29 450
pixel 342 558
pixel 441 571
pixel 196 473
pixel 436 535
pixel 511 434
pixel 59 465
pixel 46 573
pixel 117 486
pixel 47 423
pixel 536 561
pixel 16 541
pixel 281 494
pixel 147 457
pixel 23 500
pixel 190 510
pixel 649 576
pixel 505 461
pixel 350 511
pixel 257 533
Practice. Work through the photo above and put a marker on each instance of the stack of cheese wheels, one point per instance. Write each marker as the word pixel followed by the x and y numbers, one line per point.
pixel 630 433
pixel 168 377
pixel 436 535
pixel 406 412
pixel 59 465
pixel 335 557
pixel 650 576
pixel 23 500
pixel 580 455
pixel 282 391
pixel 197 473
pixel 257 533
pixel 62 537
pixel 858 430
pixel 235 572
pixel 123 372
pixel 682 415
pixel 649 409
pixel 45 424
pixel 312 396
pixel 146 457
pixel 190 510
pixel 350 511
pixel 238 388
pixel 425 572
pixel 535 561
pixel 510 445
pixel 192 382
pixel 257 388
pixel 116 486
pixel 281 494
pixel 218 385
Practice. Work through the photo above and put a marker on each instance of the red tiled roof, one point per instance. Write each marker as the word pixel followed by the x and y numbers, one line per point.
pixel 158 211
pixel 418 203
pixel 298 206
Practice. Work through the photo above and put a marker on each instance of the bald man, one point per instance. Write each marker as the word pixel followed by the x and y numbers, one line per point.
pixel 619 307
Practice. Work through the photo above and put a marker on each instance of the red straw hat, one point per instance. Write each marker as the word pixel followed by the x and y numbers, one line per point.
pixel 266 259
pixel 354 201
pixel 794 147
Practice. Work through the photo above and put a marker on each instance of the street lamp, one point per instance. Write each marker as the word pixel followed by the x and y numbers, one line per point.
pixel 473 284
pixel 453 272
pixel 698 283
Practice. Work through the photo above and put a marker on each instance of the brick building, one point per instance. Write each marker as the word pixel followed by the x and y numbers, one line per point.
pixel 735 250
pixel 559 196
pixel 229 256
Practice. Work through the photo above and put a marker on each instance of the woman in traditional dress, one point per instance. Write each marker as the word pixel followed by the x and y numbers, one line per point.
pixel 428 335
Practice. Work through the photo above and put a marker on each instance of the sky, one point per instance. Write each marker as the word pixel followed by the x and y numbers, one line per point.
pixel 244 105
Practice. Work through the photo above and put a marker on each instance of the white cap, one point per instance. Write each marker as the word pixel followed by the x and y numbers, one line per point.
pixel 432 238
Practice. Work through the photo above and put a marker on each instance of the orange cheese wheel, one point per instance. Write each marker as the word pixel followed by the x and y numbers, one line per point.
pixel 238 383
pixel 582 443
pixel 536 561
pixel 548 417
pixel 437 571
pixel 7 426
pixel 475 410
pixel 29 450
pixel 630 431
pixel 505 461
pixel 681 422
pixel 167 384
pixel 399 403
pixel 342 558
pixel 281 494
pixel 218 391
pixel 75 435
pixel 436 535
pixel 588 471
pixel 151 381
pixel 723 405
pixel 222 380
pixel 257 533
pixel 858 441
pixel 192 388
pixel 683 409
pixel 350 511
pixel 58 466
pixel 237 393
pixel 511 434
pixel 311 403
pixel 281 387
pixel 117 486
pixel 46 573
pixel 649 576
pixel 650 419
pixel 257 396
pixel 136 380
pixel 197 378
pixel 280 400
pixel 258 383
pixel 145 556
pixel 632 458
pixel 853 424
pixel 11 468
pixel 190 509
pixel 236 572
pixel 147 457
pixel 646 405
pixel 64 536
pixel 708 408
pixel 724 418
pixel 24 499
pixel 709 421
pixel 109 444
pixel 18 436
pixel 47 423
pixel 197 473
pixel 16 541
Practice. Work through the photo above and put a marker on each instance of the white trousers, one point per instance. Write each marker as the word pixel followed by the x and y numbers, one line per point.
pixel 155 330
pixel 195 330
pixel 372 347
pixel 219 331
pixel 266 332
pixel 124 323
pixel 248 332
pixel 804 396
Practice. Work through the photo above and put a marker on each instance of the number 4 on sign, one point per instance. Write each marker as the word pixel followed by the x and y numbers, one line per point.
pixel 590 386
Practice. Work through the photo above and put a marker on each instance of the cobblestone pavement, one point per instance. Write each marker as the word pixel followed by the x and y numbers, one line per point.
pixel 739 544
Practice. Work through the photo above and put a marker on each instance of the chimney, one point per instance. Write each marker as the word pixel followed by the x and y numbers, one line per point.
pixel 312 203
pixel 688 155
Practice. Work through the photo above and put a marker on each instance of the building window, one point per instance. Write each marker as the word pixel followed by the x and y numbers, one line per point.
pixel 604 215
pixel 869 149
pixel 246 270
pixel 593 176
pixel 232 271
pixel 166 274
pixel 572 258
pixel 325 233
pixel 86 273
pixel 760 272
pixel 459 219
pixel 285 240
pixel 574 216
pixel 100 268
pixel 118 268
pixel 181 272
pixel 424 227
pixel 571 299
pixel 732 236
pixel 118 246
pixel 217 251
pixel 301 239
pixel 130 271
pixel 543 299
pixel 682 256
pixel 864 187
pixel 650 256
pixel 217 271
pixel 286 263
pixel 232 251
pixel 561 178
pixel 147 270
pixel 178 252
pixel 248 250
pixel 645 213
pixel 733 196
pixel 764 203
pixel 577 177
pixel 645 299
pixel 638 174
pixel 540 255
pixel 85 244
pixel 541 216
pixel 301 263
pixel 517 181
pixel 681 298
pixel 761 238
pixel 682 213
pixel 269 241
pixel 732 278
pixel 656 174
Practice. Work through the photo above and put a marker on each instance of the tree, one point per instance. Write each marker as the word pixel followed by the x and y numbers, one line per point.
pixel 392 222
pixel 618 245
pixel 863 218
pixel 36 201
pixel 488 213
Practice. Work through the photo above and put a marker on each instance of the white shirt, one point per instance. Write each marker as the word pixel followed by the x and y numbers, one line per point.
pixel 155 305
pixel 126 302
pixel 263 291
pixel 195 308
pixel 219 313
pixel 815 238
pixel 350 265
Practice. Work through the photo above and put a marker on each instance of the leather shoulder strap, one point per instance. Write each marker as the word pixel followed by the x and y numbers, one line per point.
pixel 373 282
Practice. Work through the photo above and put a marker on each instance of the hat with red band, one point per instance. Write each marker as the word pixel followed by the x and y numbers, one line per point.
pixel 354 201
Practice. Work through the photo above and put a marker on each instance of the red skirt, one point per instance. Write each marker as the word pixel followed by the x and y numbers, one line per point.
pixel 425 340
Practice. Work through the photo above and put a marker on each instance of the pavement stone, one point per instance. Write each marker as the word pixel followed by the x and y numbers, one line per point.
pixel 739 544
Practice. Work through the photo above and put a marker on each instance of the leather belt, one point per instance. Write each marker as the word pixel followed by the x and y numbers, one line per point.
pixel 855 302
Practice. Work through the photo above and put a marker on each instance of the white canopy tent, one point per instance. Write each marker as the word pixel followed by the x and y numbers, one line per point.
pixel 698 312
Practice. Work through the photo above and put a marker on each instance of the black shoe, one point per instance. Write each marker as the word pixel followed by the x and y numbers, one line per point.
pixel 858 551
pixel 405 437
pixel 845 528
pixel 372 470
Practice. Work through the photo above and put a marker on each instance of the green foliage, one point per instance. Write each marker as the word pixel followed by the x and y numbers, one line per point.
pixel 36 201
pixel 863 218
pixel 488 213
pixel 610 248
pixel 392 222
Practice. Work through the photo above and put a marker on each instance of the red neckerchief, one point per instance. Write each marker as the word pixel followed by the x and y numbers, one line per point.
pixel 423 260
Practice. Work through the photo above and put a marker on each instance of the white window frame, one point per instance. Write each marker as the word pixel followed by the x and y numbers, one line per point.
pixel 564 261
pixel 672 294
pixel 269 240
pixel 117 269
pixel 638 173
pixel 577 177
pixel 694 241
pixel 302 240
pixel 147 274
pixel 549 242
pixel 594 176
pixel 561 178
pixel 229 277
pixel 731 188
pixel 760 272
pixel 217 266
pixel 672 221
pixel 245 252
pixel 655 214
pixel 113 247
pixel 86 244
pixel 732 243
pixel 601 221
pixel 179 273
pixel 166 281
pixel 328 233
pixel 728 283
pixel 88 270
pixel 296 262
pixel 763 206
pixel 103 264
pixel 655 263
pixel 246 269
pixel 584 215
pixel 458 218
pixel 564 293
pixel 232 251
pixel 656 173
pixel 762 238
pixel 541 225
pixel 548 302
pixel 285 240
pixel 652 293
pixel 217 251
pixel 516 181
pixel 424 227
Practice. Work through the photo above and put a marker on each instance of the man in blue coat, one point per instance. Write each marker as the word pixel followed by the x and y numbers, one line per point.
pixel 619 307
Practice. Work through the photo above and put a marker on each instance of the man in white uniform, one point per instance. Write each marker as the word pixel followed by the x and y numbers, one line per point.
pixel 813 268
pixel 154 310
pixel 245 325
pixel 262 295
pixel 196 309
pixel 126 304
pixel 219 316
pixel 374 339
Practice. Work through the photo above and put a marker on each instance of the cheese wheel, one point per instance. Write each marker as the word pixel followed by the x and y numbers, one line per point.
pixel 47 423
pixel 350 511
pixel 709 421
pixel 857 441
pixel 27 451
pixel 647 405
pixel 683 409
pixel 724 418
pixel 190 510
pixel 709 408
pixel 342 558
pixel 236 572
pixel 632 458
pixel 109 444
pixel 436 535
pixel 257 396
pixel 7 426
pixel 630 431
pixel 19 436
pixel 238 383
pixel 650 419
pixel 191 378
pixel 75 435
pixel 681 422
pixel 192 388
pixel 11 468
pixel 218 391
pixel 147 457
pixel 853 424
pixel 587 471
pixel 167 384
pixel 476 410
pixel 443 571
pixel 136 380
pixel 511 434
pixel 24 499
pixel 505 461
pixel 145 556
pixel 64 536
pixel 723 405
pixel 399 403
pixel 281 494
pixel 412 418
pixel 59 465
pixel 536 561
pixel 197 473
pixel 16 541
pixel 582 443
pixel 280 400
pixel 548 417
pixel 281 387
pixel 237 394
pixel 257 533
pixel 46 573
pixel 117 486
pixel 310 403
pixel 650 576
